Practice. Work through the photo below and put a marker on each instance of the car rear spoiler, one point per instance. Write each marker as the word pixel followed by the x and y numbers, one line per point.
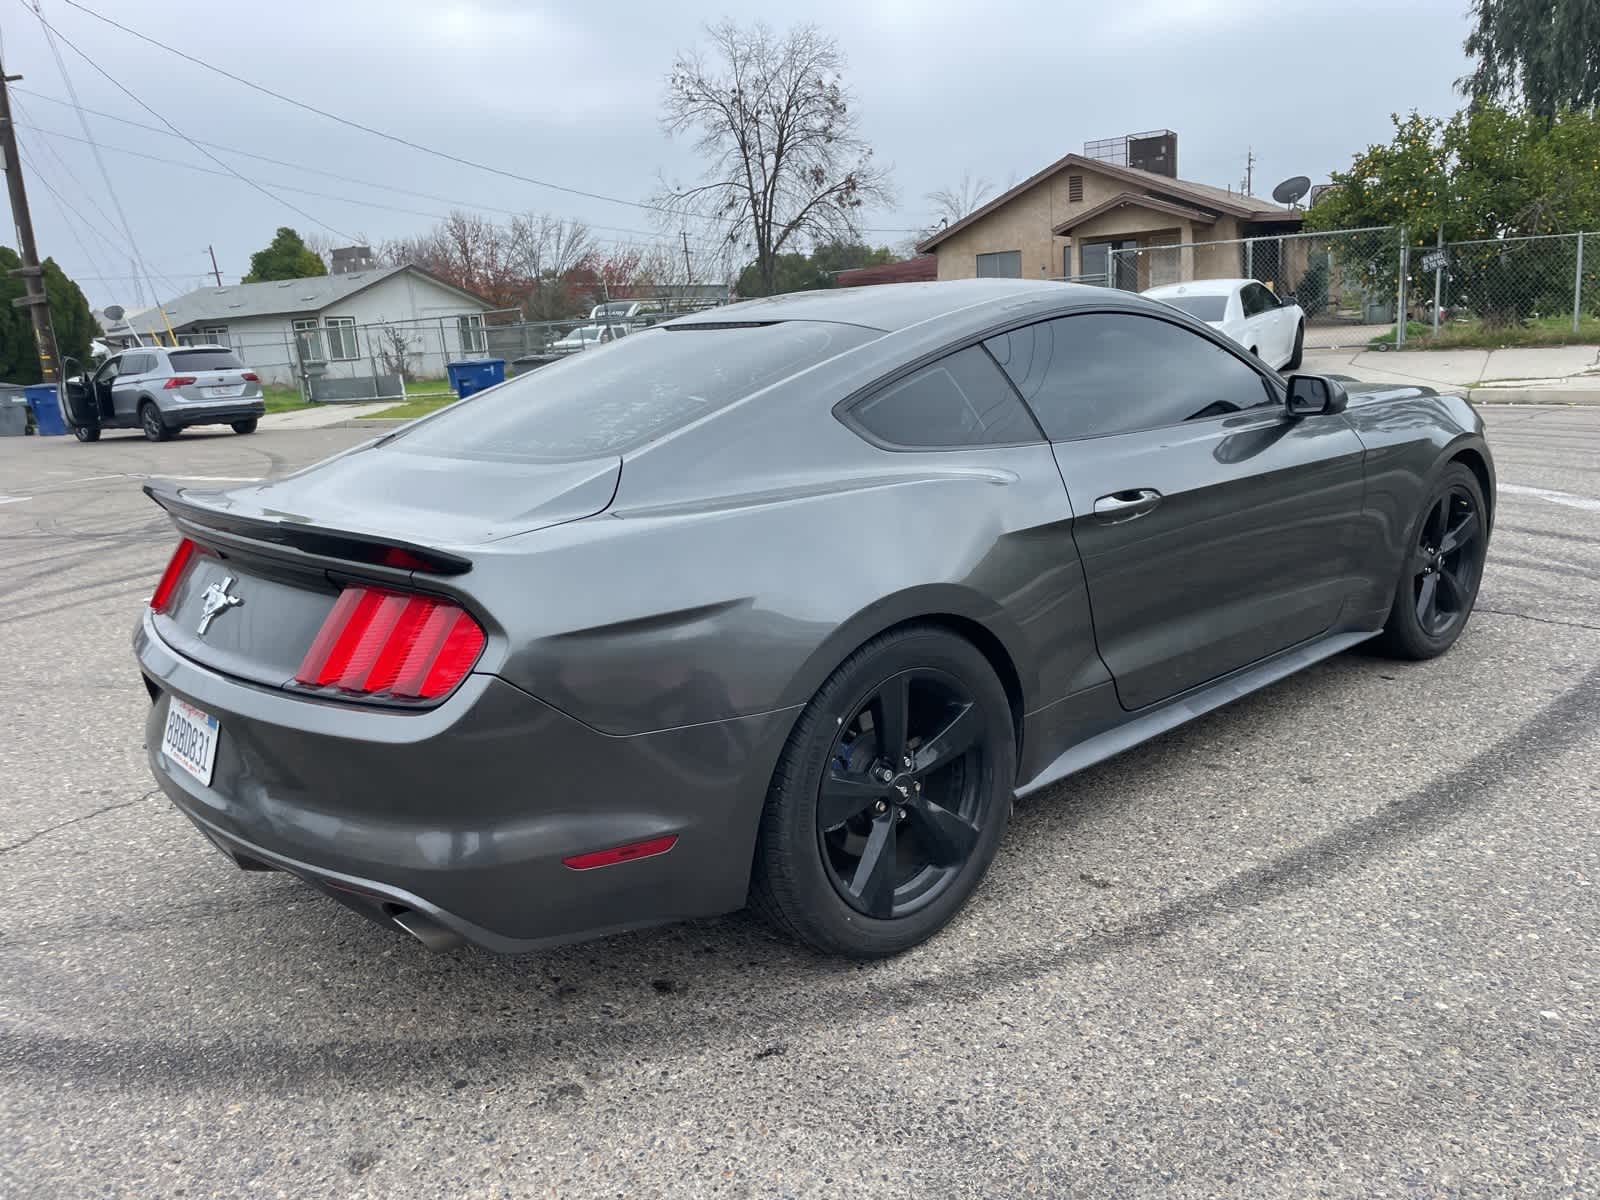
pixel 343 544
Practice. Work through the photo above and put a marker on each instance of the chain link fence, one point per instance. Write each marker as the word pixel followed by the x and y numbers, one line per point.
pixel 1379 288
pixel 334 360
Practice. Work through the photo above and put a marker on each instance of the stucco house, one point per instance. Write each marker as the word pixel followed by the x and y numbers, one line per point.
pixel 1066 219
pixel 275 327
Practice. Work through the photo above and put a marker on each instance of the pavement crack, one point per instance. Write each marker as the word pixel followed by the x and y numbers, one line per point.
pixel 1503 612
pixel 88 816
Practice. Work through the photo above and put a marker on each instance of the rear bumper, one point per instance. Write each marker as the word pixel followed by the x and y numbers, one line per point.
pixel 179 416
pixel 463 813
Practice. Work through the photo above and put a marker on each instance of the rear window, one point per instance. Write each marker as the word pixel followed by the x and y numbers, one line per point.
pixel 1201 308
pixel 627 392
pixel 205 360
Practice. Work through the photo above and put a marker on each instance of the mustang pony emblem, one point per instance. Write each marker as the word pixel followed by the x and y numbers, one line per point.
pixel 214 601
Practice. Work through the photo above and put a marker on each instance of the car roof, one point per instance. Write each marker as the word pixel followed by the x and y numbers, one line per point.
pixel 891 306
pixel 1199 287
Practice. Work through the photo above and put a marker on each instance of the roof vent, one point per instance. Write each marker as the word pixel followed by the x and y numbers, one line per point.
pixel 236 304
pixel 304 299
pixel 287 283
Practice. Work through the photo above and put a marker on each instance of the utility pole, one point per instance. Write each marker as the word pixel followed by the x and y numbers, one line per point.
pixel 32 273
pixel 688 271
pixel 214 271
pixel 1249 171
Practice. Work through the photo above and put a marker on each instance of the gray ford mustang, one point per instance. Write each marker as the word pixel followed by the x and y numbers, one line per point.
pixel 781 604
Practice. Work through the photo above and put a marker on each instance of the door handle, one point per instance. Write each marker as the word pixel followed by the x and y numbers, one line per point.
pixel 1126 505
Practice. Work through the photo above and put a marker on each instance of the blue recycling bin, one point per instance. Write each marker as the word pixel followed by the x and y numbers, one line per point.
pixel 46 406
pixel 470 375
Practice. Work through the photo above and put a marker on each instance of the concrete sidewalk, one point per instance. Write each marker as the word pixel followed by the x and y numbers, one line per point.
pixel 1546 375
pixel 323 416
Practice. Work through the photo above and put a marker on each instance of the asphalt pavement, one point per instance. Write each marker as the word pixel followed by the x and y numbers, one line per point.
pixel 1341 938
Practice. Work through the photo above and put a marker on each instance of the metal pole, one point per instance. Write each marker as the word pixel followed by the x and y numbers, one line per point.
pixel 1577 286
pixel 1438 278
pixel 1400 290
pixel 1250 258
pixel 215 273
pixel 35 301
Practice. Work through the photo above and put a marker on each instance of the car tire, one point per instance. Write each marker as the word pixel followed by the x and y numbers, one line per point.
pixel 1298 354
pixel 155 429
pixel 1443 567
pixel 86 433
pixel 248 425
pixel 907 853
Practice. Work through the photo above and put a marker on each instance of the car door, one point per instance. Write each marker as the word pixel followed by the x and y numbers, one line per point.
pixel 125 389
pixel 103 382
pixel 1272 331
pixel 1214 530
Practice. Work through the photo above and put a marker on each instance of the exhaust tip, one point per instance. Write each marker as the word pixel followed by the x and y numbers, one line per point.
pixel 425 929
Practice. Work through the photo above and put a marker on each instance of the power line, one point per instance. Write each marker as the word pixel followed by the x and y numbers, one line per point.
pixel 106 75
pixel 280 162
pixel 174 162
pixel 83 123
pixel 396 138
pixel 33 167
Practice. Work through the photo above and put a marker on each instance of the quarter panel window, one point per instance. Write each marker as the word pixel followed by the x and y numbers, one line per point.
pixel 1103 373
pixel 961 400
pixel 1256 300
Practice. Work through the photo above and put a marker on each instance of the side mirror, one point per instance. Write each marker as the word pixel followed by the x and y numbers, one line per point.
pixel 1285 301
pixel 1311 395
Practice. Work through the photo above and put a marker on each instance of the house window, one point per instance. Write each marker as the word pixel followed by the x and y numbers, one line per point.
pixel 470 330
pixel 308 340
pixel 342 338
pixel 1003 264
pixel 215 335
pixel 1074 189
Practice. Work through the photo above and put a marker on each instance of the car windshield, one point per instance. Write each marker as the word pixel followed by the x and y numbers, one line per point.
pixel 627 392
pixel 205 360
pixel 1202 308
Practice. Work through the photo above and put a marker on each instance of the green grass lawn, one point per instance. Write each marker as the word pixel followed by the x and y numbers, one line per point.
pixel 415 406
pixel 421 397
pixel 1474 335
pixel 282 399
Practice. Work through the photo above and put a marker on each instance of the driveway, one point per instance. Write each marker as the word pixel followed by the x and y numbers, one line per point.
pixel 1341 938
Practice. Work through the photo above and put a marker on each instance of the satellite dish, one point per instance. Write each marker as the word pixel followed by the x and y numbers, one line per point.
pixel 1291 189
pixel 113 312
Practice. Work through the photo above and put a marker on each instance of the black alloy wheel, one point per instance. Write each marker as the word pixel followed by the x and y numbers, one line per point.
pixel 1438 584
pixel 1445 562
pixel 86 433
pixel 890 798
pixel 904 798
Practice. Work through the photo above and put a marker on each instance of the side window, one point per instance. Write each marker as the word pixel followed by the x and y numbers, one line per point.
pixel 1104 373
pixel 108 370
pixel 1256 300
pixel 961 400
pixel 1002 264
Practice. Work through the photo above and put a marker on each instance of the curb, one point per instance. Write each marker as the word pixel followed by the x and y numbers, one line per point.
pixel 372 423
pixel 1512 395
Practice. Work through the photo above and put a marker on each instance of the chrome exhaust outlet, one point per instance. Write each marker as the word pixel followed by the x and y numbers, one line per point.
pixel 426 930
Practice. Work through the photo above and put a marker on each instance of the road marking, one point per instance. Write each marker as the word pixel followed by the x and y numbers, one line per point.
pixel 1588 503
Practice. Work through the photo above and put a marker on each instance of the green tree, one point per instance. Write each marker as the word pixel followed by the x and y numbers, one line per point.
pixel 809 272
pixel 1545 52
pixel 834 257
pixel 1486 175
pixel 287 257
pixel 69 313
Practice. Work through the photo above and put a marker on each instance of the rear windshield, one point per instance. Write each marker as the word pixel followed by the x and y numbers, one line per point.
pixel 205 360
pixel 1202 308
pixel 624 393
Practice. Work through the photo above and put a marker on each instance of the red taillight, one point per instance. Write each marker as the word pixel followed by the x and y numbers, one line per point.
pixel 621 854
pixel 178 381
pixel 250 377
pixel 388 644
pixel 174 572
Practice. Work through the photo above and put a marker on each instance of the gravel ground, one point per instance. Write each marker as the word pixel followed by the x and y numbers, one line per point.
pixel 1338 939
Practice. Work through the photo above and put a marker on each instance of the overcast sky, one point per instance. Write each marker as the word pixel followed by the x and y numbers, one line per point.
pixel 570 93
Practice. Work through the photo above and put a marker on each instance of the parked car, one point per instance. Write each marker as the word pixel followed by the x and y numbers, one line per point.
pixel 783 601
pixel 1274 330
pixel 585 336
pixel 625 312
pixel 163 390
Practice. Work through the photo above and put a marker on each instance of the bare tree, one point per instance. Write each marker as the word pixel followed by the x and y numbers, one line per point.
pixel 547 249
pixel 953 202
pixel 784 158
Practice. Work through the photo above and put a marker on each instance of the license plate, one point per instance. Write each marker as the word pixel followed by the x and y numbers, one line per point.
pixel 190 739
pixel 224 390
